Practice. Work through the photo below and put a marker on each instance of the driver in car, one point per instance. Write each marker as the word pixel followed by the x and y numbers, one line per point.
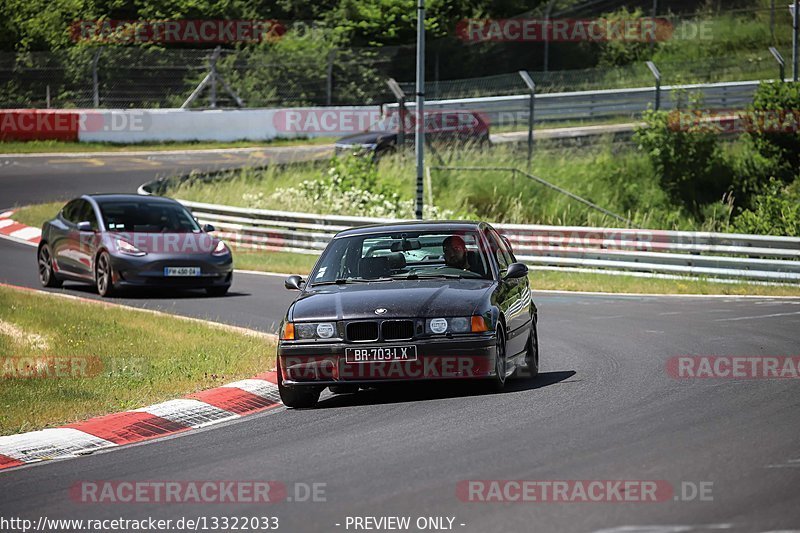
pixel 455 252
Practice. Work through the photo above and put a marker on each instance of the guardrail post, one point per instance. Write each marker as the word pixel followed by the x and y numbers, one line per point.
pixel 795 8
pixel 781 62
pixel 401 112
pixel 95 81
pixel 531 108
pixel 212 88
pixel 329 84
pixel 657 76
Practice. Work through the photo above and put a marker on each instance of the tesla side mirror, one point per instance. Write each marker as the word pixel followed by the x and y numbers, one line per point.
pixel 85 226
pixel 516 270
pixel 293 283
pixel 208 228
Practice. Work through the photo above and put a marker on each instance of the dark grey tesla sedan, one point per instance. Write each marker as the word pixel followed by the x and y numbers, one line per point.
pixel 407 302
pixel 123 240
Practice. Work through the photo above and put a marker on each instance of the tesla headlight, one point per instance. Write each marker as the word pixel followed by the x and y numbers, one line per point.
pixel 128 249
pixel 315 330
pixel 221 249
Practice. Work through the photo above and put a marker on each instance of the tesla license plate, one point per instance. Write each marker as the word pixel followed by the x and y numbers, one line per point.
pixel 181 271
pixel 380 354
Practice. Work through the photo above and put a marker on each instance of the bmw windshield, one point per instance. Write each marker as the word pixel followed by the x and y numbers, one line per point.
pixel 406 255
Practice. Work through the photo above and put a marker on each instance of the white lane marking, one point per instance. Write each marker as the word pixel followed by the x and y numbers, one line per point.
pixel 20 336
pixel 259 387
pixel 14 239
pixel 27 233
pixel 210 323
pixel 52 443
pixel 755 317
pixel 189 412
pixel 259 273
pixel 6 222
pixel 135 153
pixel 6 214
pixel 663 528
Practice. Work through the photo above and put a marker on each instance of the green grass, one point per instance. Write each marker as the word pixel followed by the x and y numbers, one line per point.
pixel 35 215
pixel 619 179
pixel 34 147
pixel 143 359
pixel 284 262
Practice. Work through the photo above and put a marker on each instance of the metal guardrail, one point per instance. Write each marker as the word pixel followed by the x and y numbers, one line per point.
pixel 654 253
pixel 504 110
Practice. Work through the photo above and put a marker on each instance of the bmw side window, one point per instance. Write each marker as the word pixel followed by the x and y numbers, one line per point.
pixel 497 249
pixel 506 248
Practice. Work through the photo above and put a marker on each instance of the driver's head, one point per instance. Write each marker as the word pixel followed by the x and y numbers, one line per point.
pixel 455 252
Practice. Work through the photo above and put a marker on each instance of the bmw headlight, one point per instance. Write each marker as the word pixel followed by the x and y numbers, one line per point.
pixel 459 324
pixel 315 330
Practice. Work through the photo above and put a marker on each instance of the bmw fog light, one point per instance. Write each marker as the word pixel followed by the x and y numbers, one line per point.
pixel 438 325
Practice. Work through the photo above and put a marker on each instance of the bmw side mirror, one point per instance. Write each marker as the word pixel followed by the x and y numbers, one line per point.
pixel 516 270
pixel 208 228
pixel 85 226
pixel 294 283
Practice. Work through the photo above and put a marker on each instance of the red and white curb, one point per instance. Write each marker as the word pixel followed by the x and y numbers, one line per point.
pixel 18 232
pixel 194 411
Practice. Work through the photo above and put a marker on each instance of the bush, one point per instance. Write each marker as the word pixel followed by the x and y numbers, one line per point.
pixel 351 187
pixel 779 143
pixel 689 160
pixel 776 211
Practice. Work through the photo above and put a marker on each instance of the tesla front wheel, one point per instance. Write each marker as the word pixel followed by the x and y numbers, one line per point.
pixel 47 275
pixel 103 275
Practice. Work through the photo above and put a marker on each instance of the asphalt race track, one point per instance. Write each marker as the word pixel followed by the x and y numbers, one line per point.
pixel 32 178
pixel 604 408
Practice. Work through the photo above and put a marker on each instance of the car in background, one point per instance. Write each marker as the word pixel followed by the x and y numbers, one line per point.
pixel 407 302
pixel 123 240
pixel 458 126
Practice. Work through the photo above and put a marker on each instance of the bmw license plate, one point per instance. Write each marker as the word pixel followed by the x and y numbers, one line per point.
pixel 181 271
pixel 379 354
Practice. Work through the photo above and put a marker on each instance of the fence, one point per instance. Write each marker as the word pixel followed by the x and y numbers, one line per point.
pixel 601 250
pixel 590 105
pixel 125 77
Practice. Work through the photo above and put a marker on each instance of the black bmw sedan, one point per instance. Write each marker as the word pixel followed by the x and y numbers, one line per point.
pixel 122 240
pixel 405 302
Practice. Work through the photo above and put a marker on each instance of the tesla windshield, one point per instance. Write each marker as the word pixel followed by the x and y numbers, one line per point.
pixel 406 255
pixel 147 217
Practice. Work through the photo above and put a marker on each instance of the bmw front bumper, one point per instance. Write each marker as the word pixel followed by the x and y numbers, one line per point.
pixel 324 364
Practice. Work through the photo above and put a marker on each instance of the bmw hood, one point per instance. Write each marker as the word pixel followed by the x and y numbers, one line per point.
pixel 400 299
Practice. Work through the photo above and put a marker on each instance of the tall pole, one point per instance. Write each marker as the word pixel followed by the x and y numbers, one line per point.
pixel 419 137
pixel 795 20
